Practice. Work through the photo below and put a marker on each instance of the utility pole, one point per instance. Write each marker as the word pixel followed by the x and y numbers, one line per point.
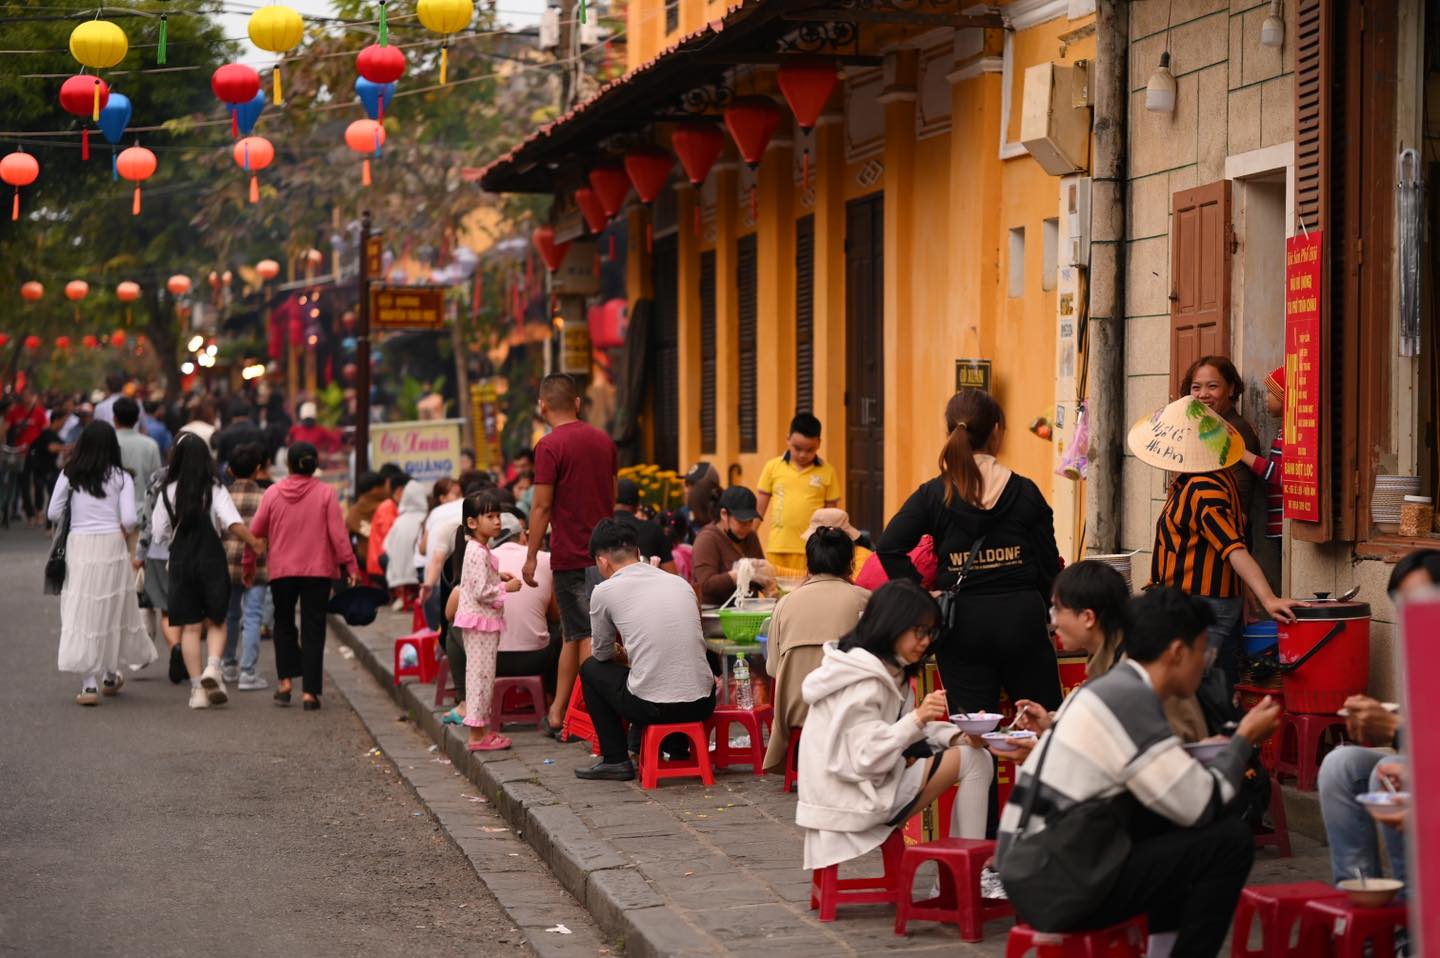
pixel 362 356
pixel 569 52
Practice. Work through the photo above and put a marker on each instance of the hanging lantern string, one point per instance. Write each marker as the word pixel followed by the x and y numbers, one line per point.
pixel 385 27
pixel 160 51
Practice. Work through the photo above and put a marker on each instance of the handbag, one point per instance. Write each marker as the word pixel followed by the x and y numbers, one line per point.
pixel 1060 876
pixel 949 600
pixel 55 564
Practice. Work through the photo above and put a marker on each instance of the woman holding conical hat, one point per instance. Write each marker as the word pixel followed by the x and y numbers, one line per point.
pixel 1200 536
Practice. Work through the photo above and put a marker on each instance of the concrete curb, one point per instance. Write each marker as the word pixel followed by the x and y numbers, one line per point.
pixel 601 879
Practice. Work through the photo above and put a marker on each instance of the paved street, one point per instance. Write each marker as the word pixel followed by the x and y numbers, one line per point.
pixel 142 828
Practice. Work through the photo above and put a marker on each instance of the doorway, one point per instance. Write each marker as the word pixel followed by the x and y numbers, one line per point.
pixel 865 362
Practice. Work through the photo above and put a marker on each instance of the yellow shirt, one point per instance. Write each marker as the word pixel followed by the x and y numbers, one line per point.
pixel 795 494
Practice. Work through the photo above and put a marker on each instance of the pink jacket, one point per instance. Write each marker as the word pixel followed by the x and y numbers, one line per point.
pixel 301 517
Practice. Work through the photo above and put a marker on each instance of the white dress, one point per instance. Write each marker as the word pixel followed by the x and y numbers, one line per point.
pixel 101 628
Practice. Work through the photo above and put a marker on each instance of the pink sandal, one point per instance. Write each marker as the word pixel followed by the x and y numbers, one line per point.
pixel 490 743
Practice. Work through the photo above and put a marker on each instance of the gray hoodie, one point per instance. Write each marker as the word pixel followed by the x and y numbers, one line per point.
pixel 401 539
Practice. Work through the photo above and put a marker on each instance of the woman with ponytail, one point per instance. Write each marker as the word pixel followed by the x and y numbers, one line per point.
pixel 995 531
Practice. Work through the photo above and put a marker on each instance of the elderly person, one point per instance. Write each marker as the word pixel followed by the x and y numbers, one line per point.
pixel 825 607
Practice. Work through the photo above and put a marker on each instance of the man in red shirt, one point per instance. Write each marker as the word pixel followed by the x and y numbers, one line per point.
pixel 30 416
pixel 574 489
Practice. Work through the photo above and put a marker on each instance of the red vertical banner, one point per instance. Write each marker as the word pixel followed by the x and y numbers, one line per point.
pixel 1419 622
pixel 1303 389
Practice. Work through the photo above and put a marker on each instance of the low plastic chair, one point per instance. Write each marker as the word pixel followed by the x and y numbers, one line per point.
pixel 753 720
pixel 653 768
pixel 1275 910
pixel 426 645
pixel 532 686
pixel 1337 927
pixel 960 862
pixel 828 890
pixel 1128 939
pixel 1299 739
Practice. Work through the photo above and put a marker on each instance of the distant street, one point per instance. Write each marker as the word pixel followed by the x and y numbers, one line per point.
pixel 142 828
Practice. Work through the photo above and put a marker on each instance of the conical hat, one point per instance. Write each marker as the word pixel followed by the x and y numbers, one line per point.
pixel 1186 436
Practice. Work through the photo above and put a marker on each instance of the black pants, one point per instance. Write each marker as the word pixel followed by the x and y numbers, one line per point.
pixel 1186 880
pixel 608 700
pixel 301 652
pixel 455 658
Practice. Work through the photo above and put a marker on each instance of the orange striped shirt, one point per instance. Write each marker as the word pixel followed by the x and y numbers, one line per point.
pixel 1202 523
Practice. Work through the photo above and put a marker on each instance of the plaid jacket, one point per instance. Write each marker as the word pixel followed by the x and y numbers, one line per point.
pixel 246 494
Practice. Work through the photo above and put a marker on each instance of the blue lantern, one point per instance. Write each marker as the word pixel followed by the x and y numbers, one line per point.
pixel 113 121
pixel 247 114
pixel 375 97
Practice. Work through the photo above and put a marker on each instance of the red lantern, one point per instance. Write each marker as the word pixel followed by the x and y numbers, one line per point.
pixel 380 64
pixel 347 372
pixel 252 154
pixel 4 340
pixel 117 339
pixel 698 145
pixel 135 164
pixel 32 342
pixel 31 291
pixel 365 137
pixel 85 96
pixel 235 83
pixel 552 253
pixel 612 186
pixel 807 85
pixel 592 209
pixel 77 289
pixel 127 292
pixel 18 169
pixel 62 342
pixel 178 285
pixel 649 168
pixel 267 269
pixel 89 341
pixel 752 121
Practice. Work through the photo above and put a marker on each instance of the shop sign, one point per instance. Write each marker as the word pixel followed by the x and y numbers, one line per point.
pixel 374 256
pixel 1301 473
pixel 1419 668
pixel 485 417
pixel 575 349
pixel 407 307
pixel 972 374
pixel 426 450
pixel 579 273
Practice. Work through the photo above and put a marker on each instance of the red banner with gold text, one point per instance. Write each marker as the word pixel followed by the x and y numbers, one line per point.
pixel 1301 472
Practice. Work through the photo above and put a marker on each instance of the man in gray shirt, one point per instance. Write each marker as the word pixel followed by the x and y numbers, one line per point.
pixel 139 454
pixel 659 674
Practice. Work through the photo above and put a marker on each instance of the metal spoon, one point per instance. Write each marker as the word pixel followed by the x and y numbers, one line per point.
pixel 1348 595
pixel 1360 875
pixel 1389 785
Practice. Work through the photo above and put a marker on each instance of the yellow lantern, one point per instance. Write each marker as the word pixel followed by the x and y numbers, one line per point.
pixel 445 17
pixel 98 44
pixel 276 29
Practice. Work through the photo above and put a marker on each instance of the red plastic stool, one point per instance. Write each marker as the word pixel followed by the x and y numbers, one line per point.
pixel 828 889
pixel 443 685
pixel 1299 739
pixel 1250 696
pixel 1277 908
pixel 417 617
pixel 726 755
pixel 653 768
pixel 1336 927
pixel 1125 940
pixel 959 861
pixel 577 724
pixel 1277 834
pixel 532 685
pixel 426 644
pixel 792 758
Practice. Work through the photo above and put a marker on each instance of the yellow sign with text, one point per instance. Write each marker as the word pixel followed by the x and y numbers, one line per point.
pixel 407 307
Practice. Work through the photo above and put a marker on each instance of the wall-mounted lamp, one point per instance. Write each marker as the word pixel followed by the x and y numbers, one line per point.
pixel 1272 31
pixel 1160 91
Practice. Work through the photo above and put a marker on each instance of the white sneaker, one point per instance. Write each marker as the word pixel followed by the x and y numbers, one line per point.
pixel 990 886
pixel 198 698
pixel 213 682
pixel 251 681
pixel 230 673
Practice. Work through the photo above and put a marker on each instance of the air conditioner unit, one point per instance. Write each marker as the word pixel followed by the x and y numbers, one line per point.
pixel 1054 132
pixel 550 28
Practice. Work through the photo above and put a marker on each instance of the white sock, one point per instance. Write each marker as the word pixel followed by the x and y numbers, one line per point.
pixel 1161 943
pixel 195 683
pixel 90 683
pixel 213 662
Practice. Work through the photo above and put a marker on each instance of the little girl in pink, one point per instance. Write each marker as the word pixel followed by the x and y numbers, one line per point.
pixel 478 611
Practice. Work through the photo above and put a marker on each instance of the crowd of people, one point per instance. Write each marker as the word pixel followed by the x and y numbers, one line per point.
pixel 556 569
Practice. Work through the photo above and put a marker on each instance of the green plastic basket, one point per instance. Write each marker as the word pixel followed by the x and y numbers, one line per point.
pixel 742 625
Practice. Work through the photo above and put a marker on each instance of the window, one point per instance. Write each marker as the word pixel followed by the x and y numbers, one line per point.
pixel 1016 287
pixel 805 314
pixel 707 353
pixel 745 283
pixel 672 16
pixel 1050 240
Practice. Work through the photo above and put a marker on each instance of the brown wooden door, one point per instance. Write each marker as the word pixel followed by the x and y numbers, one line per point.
pixel 1200 247
pixel 865 362
pixel 666 397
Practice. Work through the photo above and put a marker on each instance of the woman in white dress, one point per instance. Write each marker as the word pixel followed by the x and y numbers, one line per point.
pixel 101 629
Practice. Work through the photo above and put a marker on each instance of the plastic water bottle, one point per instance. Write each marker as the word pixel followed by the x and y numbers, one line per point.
pixel 744 696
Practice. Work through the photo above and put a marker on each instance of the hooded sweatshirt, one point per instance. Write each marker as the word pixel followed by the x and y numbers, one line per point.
pixel 851 765
pixel 301 517
pixel 405 533
pixel 1019 552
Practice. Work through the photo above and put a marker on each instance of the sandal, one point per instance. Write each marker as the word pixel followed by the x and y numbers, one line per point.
pixel 452 717
pixel 282 698
pixel 490 743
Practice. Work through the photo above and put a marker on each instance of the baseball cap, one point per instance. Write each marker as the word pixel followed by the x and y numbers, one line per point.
pixel 740 503
pixel 307 410
pixel 698 471
pixel 627 493
pixel 510 529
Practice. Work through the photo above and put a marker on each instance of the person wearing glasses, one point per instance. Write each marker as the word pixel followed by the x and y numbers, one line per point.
pixel 868 761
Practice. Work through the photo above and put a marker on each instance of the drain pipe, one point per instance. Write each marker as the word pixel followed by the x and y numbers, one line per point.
pixel 1105 347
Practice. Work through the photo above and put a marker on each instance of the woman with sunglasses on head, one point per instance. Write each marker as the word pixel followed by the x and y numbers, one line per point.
pixel 867 760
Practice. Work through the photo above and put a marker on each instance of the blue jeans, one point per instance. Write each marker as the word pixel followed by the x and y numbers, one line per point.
pixel 1346 772
pixel 242 625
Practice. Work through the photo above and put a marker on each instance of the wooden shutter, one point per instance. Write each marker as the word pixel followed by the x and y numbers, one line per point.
pixel 707 353
pixel 666 438
pixel 805 314
pixel 745 283
pixel 1200 248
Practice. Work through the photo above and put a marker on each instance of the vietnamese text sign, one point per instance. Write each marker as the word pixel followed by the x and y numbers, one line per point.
pixel 375 256
pixel 407 307
pixel 575 349
pixel 485 417
pixel 972 374
pixel 1301 474
pixel 425 450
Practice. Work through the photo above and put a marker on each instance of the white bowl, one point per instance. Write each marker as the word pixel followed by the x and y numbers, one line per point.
pixel 1205 752
pixel 1005 741
pixel 1383 804
pixel 1372 893
pixel 976 723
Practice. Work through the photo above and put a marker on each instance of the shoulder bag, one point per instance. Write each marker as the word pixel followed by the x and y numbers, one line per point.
pixel 55 564
pixel 1061 875
pixel 949 600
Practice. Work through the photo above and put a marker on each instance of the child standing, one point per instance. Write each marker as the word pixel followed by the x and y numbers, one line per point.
pixel 1270 469
pixel 477 609
pixel 799 482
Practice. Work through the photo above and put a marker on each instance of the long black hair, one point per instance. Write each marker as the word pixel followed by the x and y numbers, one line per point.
pixel 192 469
pixel 482 503
pixel 896 606
pixel 96 458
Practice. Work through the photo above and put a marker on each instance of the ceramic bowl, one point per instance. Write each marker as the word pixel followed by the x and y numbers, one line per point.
pixel 1205 752
pixel 976 723
pixel 1002 741
pixel 1372 893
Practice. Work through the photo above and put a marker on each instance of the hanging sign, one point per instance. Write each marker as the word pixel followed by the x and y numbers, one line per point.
pixel 485 418
pixel 972 374
pixel 407 307
pixel 575 349
pixel 1301 473
pixel 426 450
pixel 375 256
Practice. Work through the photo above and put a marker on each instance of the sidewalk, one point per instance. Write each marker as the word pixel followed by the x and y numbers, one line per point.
pixel 684 869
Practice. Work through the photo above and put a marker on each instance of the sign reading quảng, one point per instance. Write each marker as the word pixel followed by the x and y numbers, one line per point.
pixel 1301 472
pixel 407 307
pixel 425 450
